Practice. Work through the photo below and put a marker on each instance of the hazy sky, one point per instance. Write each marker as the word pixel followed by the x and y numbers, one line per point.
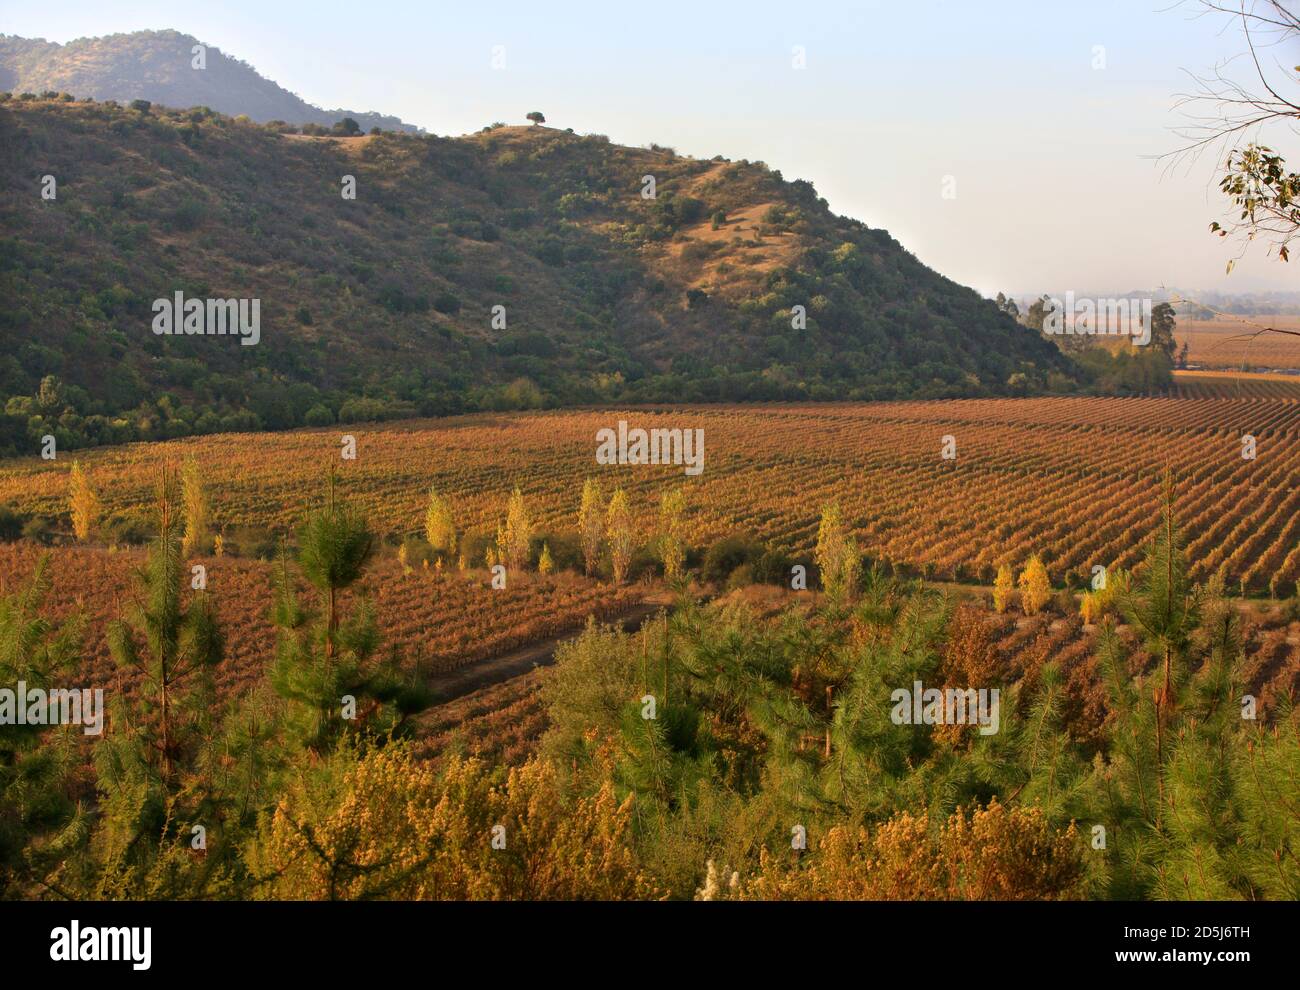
pixel 1054 186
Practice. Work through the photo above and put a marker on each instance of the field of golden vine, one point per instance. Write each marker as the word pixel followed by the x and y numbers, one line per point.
pixel 1227 342
pixel 502 723
pixel 441 622
pixel 1074 479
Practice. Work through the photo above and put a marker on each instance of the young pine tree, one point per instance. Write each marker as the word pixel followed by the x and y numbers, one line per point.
pixel 38 820
pixel 1193 795
pixel 172 646
pixel 152 771
pixel 327 668
pixel 836 555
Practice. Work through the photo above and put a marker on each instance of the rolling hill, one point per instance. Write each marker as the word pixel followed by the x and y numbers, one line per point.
pixel 158 66
pixel 517 267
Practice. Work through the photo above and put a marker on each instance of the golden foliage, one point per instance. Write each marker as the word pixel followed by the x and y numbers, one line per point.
pixel 195 504
pixel 1003 588
pixel 439 526
pixel 591 525
pixel 837 553
pixel 970 656
pixel 514 537
pixel 996 853
pixel 83 503
pixel 672 540
pixel 618 529
pixel 1035 588
pixel 388 825
pixel 961 523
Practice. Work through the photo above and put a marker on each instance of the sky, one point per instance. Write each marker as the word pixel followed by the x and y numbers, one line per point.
pixel 1041 121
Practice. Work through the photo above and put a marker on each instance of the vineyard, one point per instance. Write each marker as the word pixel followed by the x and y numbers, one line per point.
pixel 1226 343
pixel 1238 385
pixel 439 622
pixel 502 723
pixel 1074 479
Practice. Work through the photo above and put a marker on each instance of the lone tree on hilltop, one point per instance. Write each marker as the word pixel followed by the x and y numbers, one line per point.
pixel 537 117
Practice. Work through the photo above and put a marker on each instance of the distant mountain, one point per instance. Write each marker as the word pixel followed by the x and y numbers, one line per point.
pixel 158 66
pixel 516 267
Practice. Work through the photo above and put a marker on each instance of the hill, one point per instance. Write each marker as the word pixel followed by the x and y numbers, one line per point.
pixel 385 305
pixel 158 66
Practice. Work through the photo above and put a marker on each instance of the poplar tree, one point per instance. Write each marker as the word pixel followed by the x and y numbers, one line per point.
pixel 1004 587
pixel 517 533
pixel 621 536
pixel 195 502
pixel 672 540
pixel 1035 588
pixel 439 526
pixel 591 525
pixel 83 503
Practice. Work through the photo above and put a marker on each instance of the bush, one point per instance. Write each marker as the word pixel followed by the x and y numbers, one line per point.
pixel 318 415
pixel 127 528
pixel 11 524
pixel 38 530
pixel 446 303
pixel 997 853
pixel 727 555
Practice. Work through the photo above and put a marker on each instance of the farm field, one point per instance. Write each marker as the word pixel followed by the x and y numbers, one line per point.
pixel 502 723
pixel 1234 385
pixel 1219 343
pixel 439 622
pixel 1074 479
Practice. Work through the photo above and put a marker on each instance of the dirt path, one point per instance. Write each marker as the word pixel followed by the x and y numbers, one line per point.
pixel 483 673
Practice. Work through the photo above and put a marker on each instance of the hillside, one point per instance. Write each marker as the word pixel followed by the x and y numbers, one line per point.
pixel 157 66
pixel 382 306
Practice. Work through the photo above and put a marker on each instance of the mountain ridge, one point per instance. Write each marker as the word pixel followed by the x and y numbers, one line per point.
pixel 158 66
pixel 730 283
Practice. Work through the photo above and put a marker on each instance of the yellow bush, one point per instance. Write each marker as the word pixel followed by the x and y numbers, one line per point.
pixel 997 853
pixel 386 825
